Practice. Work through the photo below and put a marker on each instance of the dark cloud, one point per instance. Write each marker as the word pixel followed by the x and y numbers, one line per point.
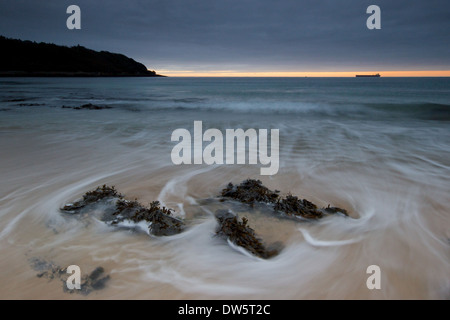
pixel 251 35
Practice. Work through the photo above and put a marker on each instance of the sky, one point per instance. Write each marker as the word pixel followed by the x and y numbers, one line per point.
pixel 248 37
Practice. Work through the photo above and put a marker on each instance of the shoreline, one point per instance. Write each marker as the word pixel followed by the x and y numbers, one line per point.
pixel 377 152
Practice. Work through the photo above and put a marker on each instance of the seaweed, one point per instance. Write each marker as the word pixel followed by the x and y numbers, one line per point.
pixel 91 197
pixel 239 233
pixel 292 205
pixel 160 219
pixel 161 222
pixel 46 269
pixel 96 280
pixel 251 191
pixel 332 210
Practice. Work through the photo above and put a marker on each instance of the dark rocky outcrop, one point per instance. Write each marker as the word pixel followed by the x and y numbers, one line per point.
pixel 252 191
pixel 332 210
pixel 116 209
pixel 91 197
pixel 160 219
pixel 26 58
pixel 30 104
pixel 239 233
pixel 292 205
pixel 88 106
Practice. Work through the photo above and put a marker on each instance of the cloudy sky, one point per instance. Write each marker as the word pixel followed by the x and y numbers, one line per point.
pixel 244 36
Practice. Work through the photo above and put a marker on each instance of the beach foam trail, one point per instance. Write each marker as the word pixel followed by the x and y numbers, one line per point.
pixel 390 174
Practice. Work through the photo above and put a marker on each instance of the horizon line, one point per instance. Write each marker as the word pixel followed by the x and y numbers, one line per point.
pixel 294 74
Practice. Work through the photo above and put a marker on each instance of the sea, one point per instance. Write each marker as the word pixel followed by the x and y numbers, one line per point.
pixel 378 147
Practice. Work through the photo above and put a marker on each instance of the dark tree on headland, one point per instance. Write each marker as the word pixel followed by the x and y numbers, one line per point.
pixel 27 58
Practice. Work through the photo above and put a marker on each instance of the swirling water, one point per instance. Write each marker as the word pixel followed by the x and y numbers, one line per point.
pixel 377 147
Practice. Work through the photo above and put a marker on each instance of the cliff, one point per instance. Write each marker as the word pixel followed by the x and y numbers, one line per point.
pixel 26 58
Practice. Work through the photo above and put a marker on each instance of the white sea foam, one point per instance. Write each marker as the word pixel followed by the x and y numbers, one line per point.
pixel 325 243
pixel 390 173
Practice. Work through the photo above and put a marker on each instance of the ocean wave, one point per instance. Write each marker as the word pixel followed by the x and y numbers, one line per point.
pixel 422 111
pixel 425 111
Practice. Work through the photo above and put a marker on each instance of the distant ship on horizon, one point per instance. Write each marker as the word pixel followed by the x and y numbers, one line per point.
pixel 368 75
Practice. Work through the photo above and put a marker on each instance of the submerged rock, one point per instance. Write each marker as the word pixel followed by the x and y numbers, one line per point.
pixel 30 104
pixel 239 233
pixel 15 100
pixel 88 106
pixel 251 191
pixel 161 223
pixel 46 269
pixel 116 210
pixel 96 280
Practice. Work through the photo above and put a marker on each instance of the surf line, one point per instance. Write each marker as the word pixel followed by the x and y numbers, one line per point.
pixel 235 147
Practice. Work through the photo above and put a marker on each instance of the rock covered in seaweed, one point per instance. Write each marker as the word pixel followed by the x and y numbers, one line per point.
pixel 116 210
pixel 239 233
pixel 90 197
pixel 161 221
pixel 292 205
pixel 251 191
pixel 332 210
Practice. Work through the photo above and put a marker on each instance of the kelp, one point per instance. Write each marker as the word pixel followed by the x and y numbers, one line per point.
pixel 162 223
pixel 159 219
pixel 253 191
pixel 239 232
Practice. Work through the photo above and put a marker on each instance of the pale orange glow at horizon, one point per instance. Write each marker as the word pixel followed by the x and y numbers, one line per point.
pixel 226 73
